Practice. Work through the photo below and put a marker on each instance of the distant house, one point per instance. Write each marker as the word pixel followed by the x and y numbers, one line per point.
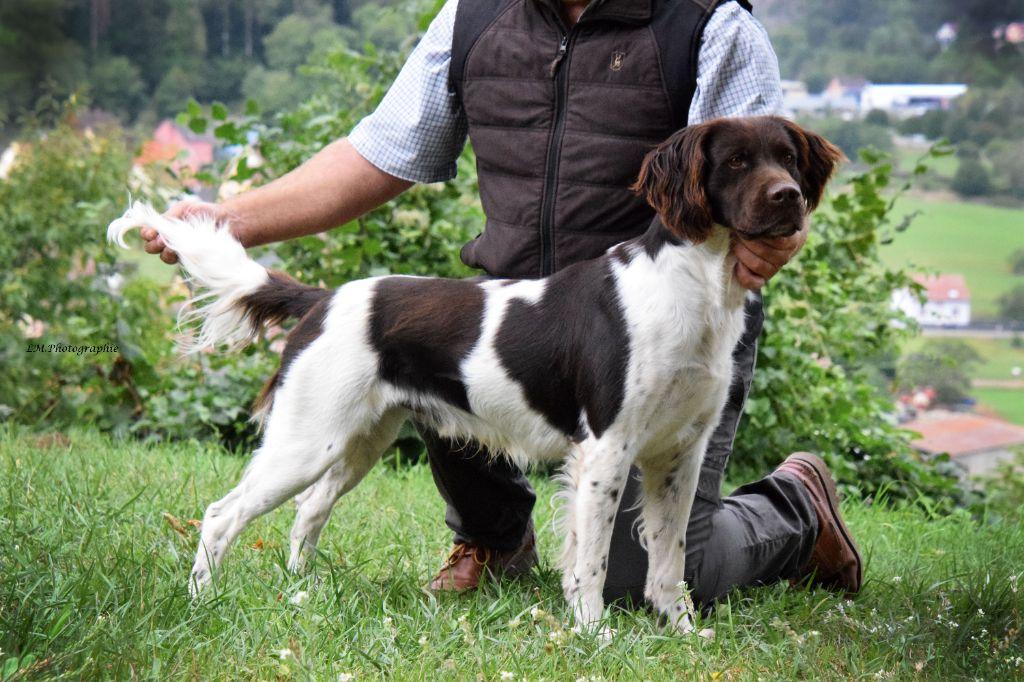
pixel 905 100
pixel 845 86
pixel 977 443
pixel 178 146
pixel 947 301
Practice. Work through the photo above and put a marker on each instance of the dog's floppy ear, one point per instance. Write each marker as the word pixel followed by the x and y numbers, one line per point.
pixel 672 181
pixel 817 161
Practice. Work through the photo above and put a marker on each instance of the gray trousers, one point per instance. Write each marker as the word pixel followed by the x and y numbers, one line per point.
pixel 761 533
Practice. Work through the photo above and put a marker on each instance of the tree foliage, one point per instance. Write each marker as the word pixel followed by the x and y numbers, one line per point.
pixel 944 365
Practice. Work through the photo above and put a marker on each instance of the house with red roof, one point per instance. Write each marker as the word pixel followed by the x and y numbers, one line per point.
pixel 177 146
pixel 975 442
pixel 947 301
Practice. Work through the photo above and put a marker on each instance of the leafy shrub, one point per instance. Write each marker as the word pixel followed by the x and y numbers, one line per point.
pixel 1017 262
pixel 1011 305
pixel 54 287
pixel 971 179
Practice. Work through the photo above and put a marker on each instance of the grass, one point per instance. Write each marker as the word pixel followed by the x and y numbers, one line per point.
pixel 998 356
pixel 958 237
pixel 92 584
pixel 1008 403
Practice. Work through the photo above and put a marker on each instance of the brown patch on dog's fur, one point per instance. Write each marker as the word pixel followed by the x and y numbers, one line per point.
pixel 672 181
pixel 422 329
pixel 281 298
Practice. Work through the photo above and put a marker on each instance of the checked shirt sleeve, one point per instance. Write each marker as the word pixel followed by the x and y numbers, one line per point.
pixel 418 130
pixel 737 70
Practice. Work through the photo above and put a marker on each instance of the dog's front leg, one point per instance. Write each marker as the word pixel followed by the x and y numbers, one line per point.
pixel 602 471
pixel 670 484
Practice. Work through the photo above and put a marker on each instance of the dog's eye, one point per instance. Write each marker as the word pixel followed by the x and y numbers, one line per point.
pixel 789 159
pixel 736 161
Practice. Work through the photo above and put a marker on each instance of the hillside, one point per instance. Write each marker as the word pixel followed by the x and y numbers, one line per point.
pixel 959 237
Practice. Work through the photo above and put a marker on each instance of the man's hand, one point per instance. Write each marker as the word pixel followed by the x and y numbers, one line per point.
pixel 759 260
pixel 154 243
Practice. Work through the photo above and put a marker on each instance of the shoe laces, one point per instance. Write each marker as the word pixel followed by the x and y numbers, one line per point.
pixel 481 556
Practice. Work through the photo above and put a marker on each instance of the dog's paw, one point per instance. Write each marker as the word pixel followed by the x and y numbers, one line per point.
pixel 199 579
pixel 602 633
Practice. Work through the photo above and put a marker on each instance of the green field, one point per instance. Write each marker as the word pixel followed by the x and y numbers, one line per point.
pixel 1008 403
pixel 957 237
pixel 998 356
pixel 92 585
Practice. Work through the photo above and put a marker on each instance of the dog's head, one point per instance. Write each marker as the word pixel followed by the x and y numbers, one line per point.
pixel 759 176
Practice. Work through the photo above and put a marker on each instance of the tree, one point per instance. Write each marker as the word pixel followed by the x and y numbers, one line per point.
pixel 1017 262
pixel 178 86
pixel 115 84
pixel 946 366
pixel 1011 305
pixel 971 179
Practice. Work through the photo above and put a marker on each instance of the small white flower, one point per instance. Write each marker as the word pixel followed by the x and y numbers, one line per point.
pixel 387 621
pixel 299 597
pixel 514 623
pixel 506 675
pixel 285 654
pixel 896 578
pixel 346 677
pixel 423 640
pixel 537 613
pixel 981 612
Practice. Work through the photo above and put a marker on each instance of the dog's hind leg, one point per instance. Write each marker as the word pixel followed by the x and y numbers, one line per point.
pixel 314 504
pixel 669 486
pixel 602 467
pixel 304 437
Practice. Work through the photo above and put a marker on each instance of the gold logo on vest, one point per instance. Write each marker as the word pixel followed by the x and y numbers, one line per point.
pixel 617 59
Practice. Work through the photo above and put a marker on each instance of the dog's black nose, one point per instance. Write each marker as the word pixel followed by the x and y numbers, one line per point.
pixel 783 193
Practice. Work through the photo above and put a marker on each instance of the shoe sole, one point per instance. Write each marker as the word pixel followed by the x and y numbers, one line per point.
pixel 817 464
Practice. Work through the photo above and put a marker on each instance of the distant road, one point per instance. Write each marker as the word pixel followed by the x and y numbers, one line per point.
pixel 970 333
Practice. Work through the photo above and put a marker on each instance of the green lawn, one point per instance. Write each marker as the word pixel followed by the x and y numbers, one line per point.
pixel 958 237
pixel 92 584
pixel 1008 403
pixel 998 356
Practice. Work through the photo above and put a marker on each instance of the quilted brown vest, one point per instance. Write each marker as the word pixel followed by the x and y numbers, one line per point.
pixel 560 119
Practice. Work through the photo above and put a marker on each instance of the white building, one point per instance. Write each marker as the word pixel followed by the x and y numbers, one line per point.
pixel 909 99
pixel 947 302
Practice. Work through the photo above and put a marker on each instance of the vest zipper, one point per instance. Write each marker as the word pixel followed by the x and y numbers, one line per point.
pixel 560 72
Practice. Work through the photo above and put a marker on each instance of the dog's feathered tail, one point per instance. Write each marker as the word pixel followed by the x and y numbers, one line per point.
pixel 236 295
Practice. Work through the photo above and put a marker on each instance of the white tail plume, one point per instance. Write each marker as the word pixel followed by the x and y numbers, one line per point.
pixel 215 262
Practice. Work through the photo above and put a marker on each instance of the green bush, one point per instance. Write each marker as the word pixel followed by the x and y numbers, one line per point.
pixel 55 288
pixel 946 365
pixel 971 179
pixel 1011 305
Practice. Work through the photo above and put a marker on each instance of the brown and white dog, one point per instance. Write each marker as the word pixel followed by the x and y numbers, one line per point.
pixel 619 360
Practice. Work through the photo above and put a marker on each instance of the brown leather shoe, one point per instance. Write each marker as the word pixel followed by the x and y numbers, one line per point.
pixel 467 563
pixel 835 562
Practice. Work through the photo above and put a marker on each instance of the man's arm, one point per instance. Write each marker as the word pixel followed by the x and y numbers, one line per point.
pixel 738 75
pixel 332 188
pixel 415 135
